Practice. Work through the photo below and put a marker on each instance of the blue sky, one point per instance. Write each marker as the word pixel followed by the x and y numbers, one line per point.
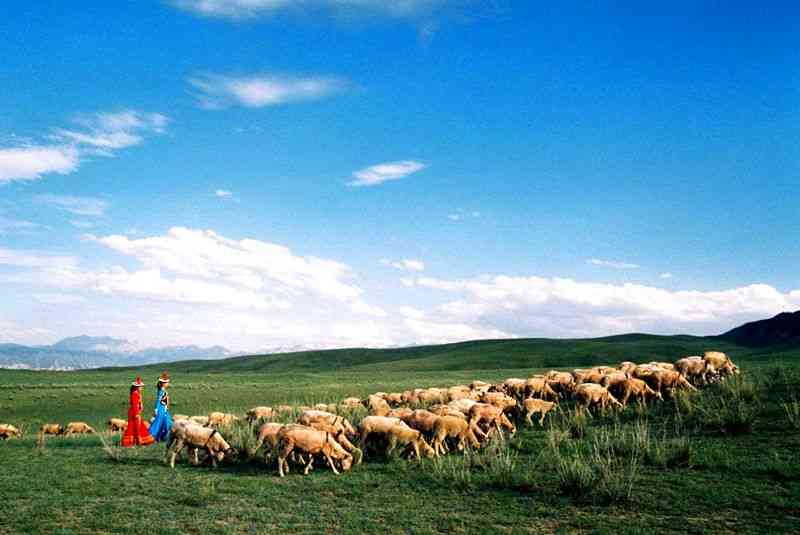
pixel 278 172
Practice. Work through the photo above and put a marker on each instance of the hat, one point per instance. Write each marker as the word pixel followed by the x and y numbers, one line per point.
pixel 137 382
pixel 164 378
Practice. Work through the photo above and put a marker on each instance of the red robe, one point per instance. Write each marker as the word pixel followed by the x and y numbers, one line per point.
pixel 136 434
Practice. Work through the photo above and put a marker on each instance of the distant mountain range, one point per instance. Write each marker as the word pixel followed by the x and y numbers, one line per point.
pixel 783 329
pixel 83 352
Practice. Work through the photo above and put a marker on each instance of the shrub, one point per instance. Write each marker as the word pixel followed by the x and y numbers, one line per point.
pixel 730 407
pixel 792 409
pixel 670 453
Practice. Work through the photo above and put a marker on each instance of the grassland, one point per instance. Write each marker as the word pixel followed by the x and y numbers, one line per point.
pixel 724 460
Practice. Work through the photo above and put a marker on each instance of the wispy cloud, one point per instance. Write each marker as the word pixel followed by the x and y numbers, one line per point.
pixel 380 173
pixel 32 162
pixel 57 299
pixel 18 225
pixel 223 193
pixel 463 214
pixel 251 9
pixel 14 257
pixel 81 224
pixel 665 276
pixel 215 91
pixel 85 206
pixel 612 264
pixel 408 264
pixel 62 150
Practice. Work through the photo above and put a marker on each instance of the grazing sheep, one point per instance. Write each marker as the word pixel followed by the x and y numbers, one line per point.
pixel 515 387
pixel 587 376
pixel 395 432
pixel 268 437
pixel 693 368
pixel 446 410
pixel 611 380
pixel 671 380
pixel 452 427
pixel 590 394
pixel 351 403
pixel 257 413
pixel 538 387
pixel 491 415
pixel 78 428
pixel 196 437
pixel 627 366
pixel 312 442
pixel 117 424
pixel 376 405
pixel 563 383
pixel 639 389
pixel 9 431
pixel 400 412
pixel 338 426
pixel 719 363
pixel 458 392
pixel 51 429
pixel 217 419
pixel 199 420
pixel 533 405
pixel 376 424
pixel 178 417
pixel 422 420
pixel 462 405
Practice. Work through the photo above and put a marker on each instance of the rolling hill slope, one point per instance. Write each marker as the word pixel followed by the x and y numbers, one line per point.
pixel 477 355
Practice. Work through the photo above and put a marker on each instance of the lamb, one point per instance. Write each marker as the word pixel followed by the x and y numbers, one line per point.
pixel 492 415
pixel 9 431
pixel 533 405
pixel 117 424
pixel 51 429
pixel 257 413
pixel 196 437
pixel 78 428
pixel 313 442
pixel 452 427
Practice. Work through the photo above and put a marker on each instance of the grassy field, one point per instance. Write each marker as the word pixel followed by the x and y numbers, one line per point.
pixel 722 460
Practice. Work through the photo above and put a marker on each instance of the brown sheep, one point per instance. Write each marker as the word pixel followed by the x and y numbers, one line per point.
pixel 351 403
pixel 533 405
pixel 692 368
pixel 421 420
pixel 376 405
pixel 462 405
pixel 479 385
pixel 402 435
pixel 446 410
pixel 117 424
pixel 590 394
pixel 9 431
pixel 540 388
pixel 613 379
pixel 199 420
pixel 719 363
pixel 258 413
pixel 639 389
pixel 338 426
pixel 51 429
pixel 499 399
pixel 671 380
pixel 400 412
pixel 491 415
pixel 627 366
pixel 78 428
pixel 563 383
pixel 178 417
pixel 188 434
pixel 458 392
pixel 452 427
pixel 268 437
pixel 217 419
pixel 312 442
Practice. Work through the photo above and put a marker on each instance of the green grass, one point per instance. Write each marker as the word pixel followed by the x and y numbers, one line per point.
pixel 677 466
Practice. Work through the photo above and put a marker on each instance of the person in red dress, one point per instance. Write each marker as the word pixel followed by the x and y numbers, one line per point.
pixel 136 434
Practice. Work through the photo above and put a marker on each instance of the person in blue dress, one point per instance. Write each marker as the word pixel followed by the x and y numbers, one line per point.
pixel 161 426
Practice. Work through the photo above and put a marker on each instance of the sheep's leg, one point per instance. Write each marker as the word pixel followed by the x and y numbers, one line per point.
pixel 284 454
pixel 415 445
pixel 308 465
pixel 331 463
pixel 528 415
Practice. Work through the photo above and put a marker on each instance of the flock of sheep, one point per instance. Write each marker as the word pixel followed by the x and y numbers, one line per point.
pixel 425 422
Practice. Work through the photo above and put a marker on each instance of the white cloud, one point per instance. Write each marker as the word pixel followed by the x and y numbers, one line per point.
pixel 463 214
pixel 15 257
pixel 222 193
pixel 251 9
pixel 665 276
pixel 256 91
pixel 30 163
pixel 537 306
pixel 454 217
pixel 58 299
pixel 412 313
pixel 377 174
pixel 81 224
pixel 408 264
pixel 85 206
pixel 105 132
pixel 612 264
pixel 101 133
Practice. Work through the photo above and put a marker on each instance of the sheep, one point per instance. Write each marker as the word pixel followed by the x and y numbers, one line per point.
pixel 199 420
pixel 594 375
pixel 458 392
pixel 452 427
pixel 257 413
pixel 431 396
pixel 338 426
pixel 217 419
pixel 267 434
pixel 719 363
pixel 693 368
pixel 639 389
pixel 421 420
pixel 377 405
pixel 396 432
pixel 400 412
pixel 462 405
pixel 562 383
pixel 446 410
pixel 479 385
pixel 539 387
pixel 78 428
pixel 611 380
pixel 515 387
pixel 196 437
pixel 9 431
pixel 313 442
pixel 178 417
pixel 672 380
pixel 51 429
pixel 591 394
pixel 117 424
pixel 351 403
pixel 376 424
pixel 492 415
pixel 627 366
pixel 533 405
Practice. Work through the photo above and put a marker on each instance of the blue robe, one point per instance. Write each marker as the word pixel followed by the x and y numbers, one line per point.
pixel 161 427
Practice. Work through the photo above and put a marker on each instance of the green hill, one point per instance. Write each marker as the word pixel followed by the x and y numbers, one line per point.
pixel 479 355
